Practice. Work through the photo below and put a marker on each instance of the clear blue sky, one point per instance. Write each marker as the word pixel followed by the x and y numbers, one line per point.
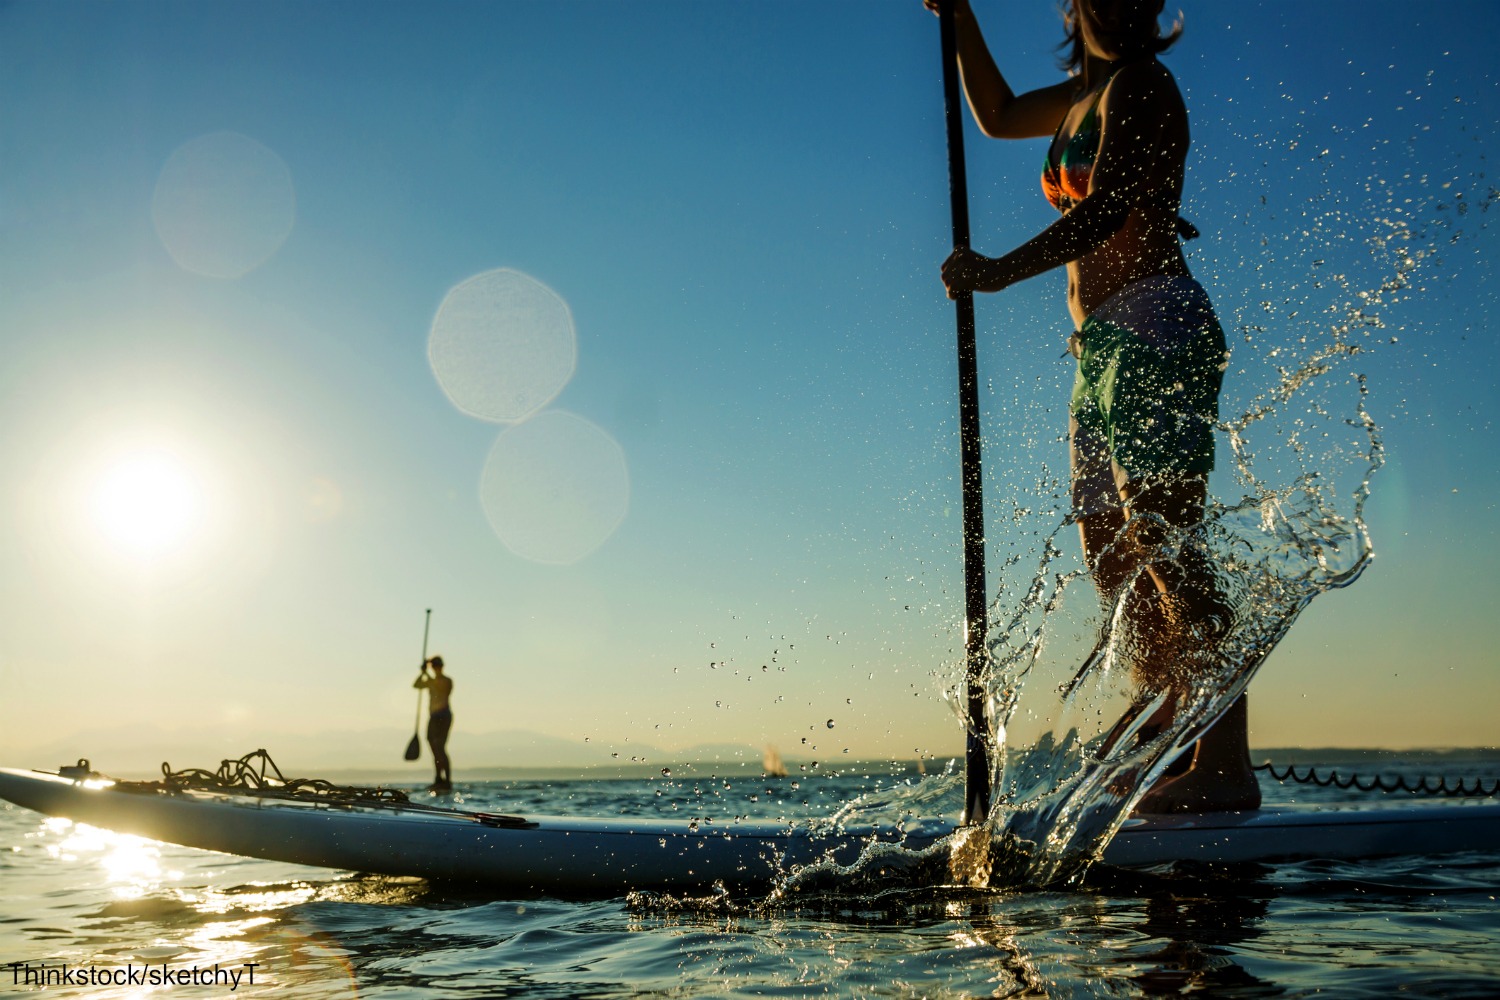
pixel 226 230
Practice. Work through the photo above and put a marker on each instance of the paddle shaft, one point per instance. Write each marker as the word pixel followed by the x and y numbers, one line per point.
pixel 426 625
pixel 976 756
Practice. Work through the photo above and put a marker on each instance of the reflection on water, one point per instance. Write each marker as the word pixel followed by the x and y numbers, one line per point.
pixel 133 908
pixel 131 865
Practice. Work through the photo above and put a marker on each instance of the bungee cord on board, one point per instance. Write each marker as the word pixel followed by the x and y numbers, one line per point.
pixel 256 774
pixel 1454 788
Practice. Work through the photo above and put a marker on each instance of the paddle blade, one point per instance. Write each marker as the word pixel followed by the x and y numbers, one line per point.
pixel 414 748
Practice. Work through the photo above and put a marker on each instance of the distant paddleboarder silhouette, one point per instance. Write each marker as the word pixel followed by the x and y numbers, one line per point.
pixel 439 687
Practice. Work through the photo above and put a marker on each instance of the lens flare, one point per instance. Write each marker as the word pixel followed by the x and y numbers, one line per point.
pixel 224 204
pixel 502 346
pixel 555 487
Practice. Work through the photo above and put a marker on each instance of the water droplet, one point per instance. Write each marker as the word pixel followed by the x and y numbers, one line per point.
pixel 830 723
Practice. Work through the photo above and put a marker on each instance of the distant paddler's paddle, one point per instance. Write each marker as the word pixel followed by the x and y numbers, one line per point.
pixel 414 748
pixel 976 757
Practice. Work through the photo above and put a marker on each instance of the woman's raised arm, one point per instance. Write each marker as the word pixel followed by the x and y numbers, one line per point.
pixel 1000 112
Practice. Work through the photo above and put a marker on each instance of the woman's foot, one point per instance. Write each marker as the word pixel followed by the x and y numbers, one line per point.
pixel 1202 790
pixel 1219 779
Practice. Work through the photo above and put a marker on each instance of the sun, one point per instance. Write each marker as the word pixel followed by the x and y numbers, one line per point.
pixel 148 502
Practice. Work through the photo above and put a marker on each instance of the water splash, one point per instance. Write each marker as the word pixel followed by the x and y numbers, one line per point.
pixel 883 864
pixel 1061 799
pixel 1076 749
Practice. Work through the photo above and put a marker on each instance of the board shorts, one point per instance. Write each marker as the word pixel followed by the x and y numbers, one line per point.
pixel 1151 363
pixel 438 724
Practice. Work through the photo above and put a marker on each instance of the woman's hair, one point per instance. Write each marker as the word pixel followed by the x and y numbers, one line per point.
pixel 1130 24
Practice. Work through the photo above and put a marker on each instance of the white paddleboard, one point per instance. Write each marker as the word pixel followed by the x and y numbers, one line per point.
pixel 609 855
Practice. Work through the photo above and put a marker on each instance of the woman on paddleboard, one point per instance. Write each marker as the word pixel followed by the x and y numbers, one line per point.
pixel 1150 351
pixel 439 718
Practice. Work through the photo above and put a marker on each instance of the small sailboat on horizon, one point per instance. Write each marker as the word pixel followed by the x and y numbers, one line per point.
pixel 770 762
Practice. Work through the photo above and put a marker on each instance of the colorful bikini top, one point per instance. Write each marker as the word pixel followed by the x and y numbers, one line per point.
pixel 1066 182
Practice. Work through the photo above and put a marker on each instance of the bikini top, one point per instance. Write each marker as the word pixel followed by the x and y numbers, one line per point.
pixel 1065 182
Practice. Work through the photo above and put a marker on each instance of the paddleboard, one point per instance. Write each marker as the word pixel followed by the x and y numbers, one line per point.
pixel 616 854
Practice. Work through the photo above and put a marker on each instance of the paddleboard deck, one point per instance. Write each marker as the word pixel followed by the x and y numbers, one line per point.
pixel 616 854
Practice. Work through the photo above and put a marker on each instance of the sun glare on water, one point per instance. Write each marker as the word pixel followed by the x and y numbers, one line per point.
pixel 148 503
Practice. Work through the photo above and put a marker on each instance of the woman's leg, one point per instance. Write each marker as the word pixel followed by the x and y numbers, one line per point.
pixel 1221 777
pixel 437 738
pixel 1115 562
pixel 1172 603
pixel 1191 597
pixel 1192 609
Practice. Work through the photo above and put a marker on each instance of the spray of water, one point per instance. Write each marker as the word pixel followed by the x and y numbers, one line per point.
pixel 1079 736
pixel 1077 748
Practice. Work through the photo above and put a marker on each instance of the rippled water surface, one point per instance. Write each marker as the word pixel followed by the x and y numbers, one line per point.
pixel 84 898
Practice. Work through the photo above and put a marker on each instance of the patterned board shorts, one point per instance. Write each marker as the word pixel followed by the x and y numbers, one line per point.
pixel 1151 362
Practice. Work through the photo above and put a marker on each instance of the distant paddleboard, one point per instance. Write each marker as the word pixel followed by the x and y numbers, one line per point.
pixel 617 854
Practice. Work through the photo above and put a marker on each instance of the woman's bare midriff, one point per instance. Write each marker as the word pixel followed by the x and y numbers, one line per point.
pixel 1146 246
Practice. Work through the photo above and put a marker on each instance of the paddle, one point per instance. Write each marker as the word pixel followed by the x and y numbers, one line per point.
pixel 976 757
pixel 414 748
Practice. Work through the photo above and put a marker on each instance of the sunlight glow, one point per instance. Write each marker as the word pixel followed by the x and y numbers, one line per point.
pixel 148 502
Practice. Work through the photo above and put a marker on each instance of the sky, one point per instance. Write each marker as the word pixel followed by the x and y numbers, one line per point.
pixel 612 333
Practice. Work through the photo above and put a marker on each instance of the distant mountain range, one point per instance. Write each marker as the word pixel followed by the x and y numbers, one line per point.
pixel 133 752
pixel 376 754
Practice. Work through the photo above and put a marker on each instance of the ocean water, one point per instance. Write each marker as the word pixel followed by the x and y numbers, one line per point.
pixel 91 900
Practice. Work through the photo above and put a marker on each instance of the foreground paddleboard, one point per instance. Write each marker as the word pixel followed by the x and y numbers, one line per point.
pixel 607 855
